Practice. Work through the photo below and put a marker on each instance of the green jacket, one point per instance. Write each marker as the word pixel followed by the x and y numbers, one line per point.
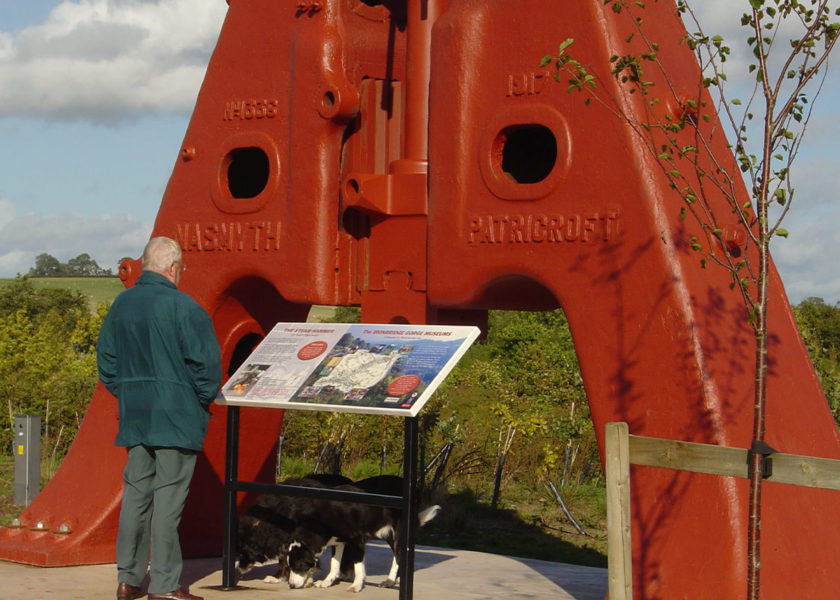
pixel 158 354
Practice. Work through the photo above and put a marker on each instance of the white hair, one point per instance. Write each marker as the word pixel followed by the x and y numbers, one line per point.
pixel 160 253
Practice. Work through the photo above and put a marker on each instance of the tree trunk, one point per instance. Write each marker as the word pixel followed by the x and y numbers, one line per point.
pixel 760 395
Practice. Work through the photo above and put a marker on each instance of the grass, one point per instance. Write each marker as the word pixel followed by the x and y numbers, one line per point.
pixel 526 526
pixel 105 289
pixel 8 510
pixel 96 289
pixel 319 314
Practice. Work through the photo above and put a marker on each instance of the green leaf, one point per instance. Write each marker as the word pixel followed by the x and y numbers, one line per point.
pixel 782 233
pixel 565 44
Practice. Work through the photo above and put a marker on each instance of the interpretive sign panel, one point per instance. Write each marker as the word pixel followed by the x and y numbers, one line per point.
pixel 362 368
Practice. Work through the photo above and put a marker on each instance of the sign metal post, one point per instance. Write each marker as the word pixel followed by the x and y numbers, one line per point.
pixel 390 370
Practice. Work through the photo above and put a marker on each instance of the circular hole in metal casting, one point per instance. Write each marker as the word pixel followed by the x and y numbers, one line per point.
pixel 242 351
pixel 328 100
pixel 247 172
pixel 529 152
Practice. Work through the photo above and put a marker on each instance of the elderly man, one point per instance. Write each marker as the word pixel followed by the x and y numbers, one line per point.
pixel 158 354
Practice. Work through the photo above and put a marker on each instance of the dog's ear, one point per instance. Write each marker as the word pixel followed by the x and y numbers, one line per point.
pixel 246 526
pixel 299 557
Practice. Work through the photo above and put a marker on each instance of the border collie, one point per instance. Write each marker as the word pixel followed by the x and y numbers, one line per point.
pixel 392 485
pixel 346 526
pixel 263 532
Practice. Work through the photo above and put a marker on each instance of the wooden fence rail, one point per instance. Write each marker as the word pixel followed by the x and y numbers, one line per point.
pixel 623 449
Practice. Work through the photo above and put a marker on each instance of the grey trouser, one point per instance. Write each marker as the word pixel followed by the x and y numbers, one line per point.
pixel 155 486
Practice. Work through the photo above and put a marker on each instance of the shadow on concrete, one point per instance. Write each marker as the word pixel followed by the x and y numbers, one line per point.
pixel 466 522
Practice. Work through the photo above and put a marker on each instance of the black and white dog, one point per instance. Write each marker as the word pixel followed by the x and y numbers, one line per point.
pixel 347 526
pixel 328 523
pixel 391 485
pixel 295 531
pixel 264 531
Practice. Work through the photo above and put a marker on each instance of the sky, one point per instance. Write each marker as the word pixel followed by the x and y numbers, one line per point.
pixel 95 97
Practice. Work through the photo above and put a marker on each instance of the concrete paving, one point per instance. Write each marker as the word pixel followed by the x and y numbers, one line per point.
pixel 440 574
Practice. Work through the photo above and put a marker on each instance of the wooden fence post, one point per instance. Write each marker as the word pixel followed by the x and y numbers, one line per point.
pixel 623 449
pixel 619 552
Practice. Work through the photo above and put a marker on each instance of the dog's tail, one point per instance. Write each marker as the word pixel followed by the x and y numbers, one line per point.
pixel 428 514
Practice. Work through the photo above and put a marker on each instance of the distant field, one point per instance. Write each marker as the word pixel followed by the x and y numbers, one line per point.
pixel 319 314
pixel 105 289
pixel 97 289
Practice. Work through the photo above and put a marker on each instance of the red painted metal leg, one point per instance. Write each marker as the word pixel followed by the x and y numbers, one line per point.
pixel 83 496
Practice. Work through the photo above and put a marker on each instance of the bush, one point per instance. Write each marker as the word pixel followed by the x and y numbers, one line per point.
pixel 47 361
pixel 819 324
pixel 524 377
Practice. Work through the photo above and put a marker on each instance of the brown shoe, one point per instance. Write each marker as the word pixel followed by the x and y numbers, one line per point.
pixel 128 592
pixel 176 595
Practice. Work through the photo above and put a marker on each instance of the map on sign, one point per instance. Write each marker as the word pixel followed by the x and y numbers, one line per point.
pixel 377 369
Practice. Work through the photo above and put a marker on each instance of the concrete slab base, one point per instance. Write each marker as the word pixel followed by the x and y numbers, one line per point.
pixel 440 574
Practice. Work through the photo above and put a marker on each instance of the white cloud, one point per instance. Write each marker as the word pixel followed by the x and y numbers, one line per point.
pixel 15 262
pixel 807 260
pixel 109 60
pixel 816 182
pixel 723 17
pixel 7 211
pixel 106 238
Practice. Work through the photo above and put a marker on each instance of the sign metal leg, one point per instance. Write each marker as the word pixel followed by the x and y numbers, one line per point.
pixel 410 502
pixel 230 520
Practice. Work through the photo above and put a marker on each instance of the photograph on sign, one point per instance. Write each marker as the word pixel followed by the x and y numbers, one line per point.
pixel 281 362
pixel 375 369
